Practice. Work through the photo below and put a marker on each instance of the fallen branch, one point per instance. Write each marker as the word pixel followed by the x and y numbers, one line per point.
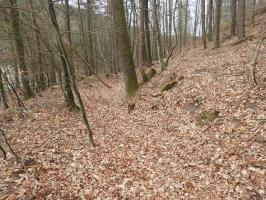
pixel 244 39
pixel 9 146
pixel 255 62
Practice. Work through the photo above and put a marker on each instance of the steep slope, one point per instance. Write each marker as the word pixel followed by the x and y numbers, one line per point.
pixel 160 150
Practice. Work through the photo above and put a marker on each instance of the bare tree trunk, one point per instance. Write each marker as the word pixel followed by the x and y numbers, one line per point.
pixel 83 39
pixel 253 12
pixel 195 23
pixel 69 96
pixel 241 20
pixel 124 49
pixel 210 16
pixel 180 18
pixel 186 24
pixel 69 69
pixel 217 23
pixel 40 64
pixel 2 92
pixel 147 35
pixel 142 44
pixel 19 47
pixel 233 17
pixel 170 25
pixel 89 35
pixel 203 25
pixel 158 34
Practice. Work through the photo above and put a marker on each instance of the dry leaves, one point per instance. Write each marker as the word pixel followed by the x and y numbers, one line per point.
pixel 156 152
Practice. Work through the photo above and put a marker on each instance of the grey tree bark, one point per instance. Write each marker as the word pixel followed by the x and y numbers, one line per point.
pixel 19 48
pixel 233 17
pixel 241 33
pixel 217 23
pixel 124 49
pixel 65 57
pixel 203 24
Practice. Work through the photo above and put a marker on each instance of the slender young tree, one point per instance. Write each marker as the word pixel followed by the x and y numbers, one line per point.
pixel 210 17
pixel 217 23
pixel 89 33
pixel 40 65
pixel 196 20
pixel 203 24
pixel 69 96
pixel 170 8
pixel 180 18
pixel 2 92
pixel 233 17
pixel 253 12
pixel 65 57
pixel 186 24
pixel 142 43
pixel 157 34
pixel 124 49
pixel 19 48
pixel 241 34
pixel 147 35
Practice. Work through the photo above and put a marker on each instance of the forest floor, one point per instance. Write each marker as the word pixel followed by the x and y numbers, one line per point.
pixel 164 149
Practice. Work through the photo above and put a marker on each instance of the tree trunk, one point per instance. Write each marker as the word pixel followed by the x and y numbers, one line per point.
pixel 69 97
pixel 124 49
pixel 142 44
pixel 157 34
pixel 39 57
pixel 147 35
pixel 195 23
pixel 65 57
pixel 2 92
pixel 233 17
pixel 170 25
pixel 253 12
pixel 217 23
pixel 180 18
pixel 186 24
pixel 241 20
pixel 83 39
pixel 19 48
pixel 210 17
pixel 203 25
pixel 89 34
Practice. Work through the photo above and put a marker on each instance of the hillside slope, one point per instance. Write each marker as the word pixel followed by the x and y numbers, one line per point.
pixel 169 147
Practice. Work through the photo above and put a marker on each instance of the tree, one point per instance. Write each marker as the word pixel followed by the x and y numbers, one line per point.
pixel 142 41
pixel 147 35
pixel 157 34
pixel 69 96
pixel 180 18
pixel 210 16
pixel 40 72
pixel 19 48
pixel 142 44
pixel 233 17
pixel 2 92
pixel 217 23
pixel 241 34
pixel 195 23
pixel 124 49
pixel 65 58
pixel 186 24
pixel 203 26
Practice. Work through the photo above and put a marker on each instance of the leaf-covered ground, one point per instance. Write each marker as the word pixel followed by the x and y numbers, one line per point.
pixel 160 150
